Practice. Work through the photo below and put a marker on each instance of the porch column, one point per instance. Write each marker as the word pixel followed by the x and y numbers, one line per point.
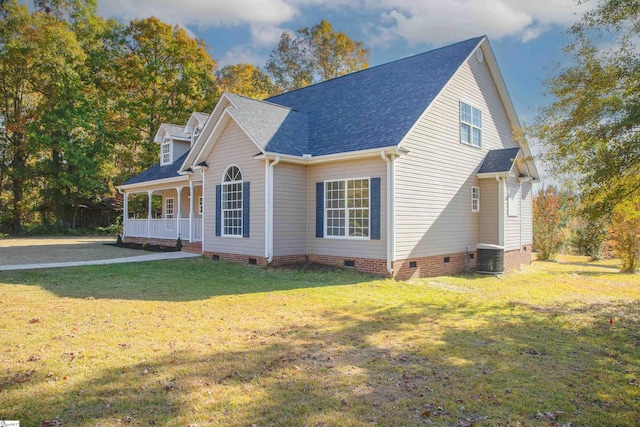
pixel 125 214
pixel 178 216
pixel 191 197
pixel 150 193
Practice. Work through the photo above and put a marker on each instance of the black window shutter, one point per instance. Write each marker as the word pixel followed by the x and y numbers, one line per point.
pixel 375 208
pixel 218 210
pixel 319 209
pixel 245 209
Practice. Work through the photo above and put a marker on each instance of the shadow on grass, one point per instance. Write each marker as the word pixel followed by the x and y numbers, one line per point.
pixel 177 280
pixel 349 374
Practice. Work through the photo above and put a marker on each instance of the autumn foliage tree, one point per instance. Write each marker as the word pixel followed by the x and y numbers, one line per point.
pixel 313 55
pixel 625 233
pixel 245 79
pixel 547 217
pixel 590 128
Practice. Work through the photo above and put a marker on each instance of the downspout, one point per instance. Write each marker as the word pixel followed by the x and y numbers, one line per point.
pixel 266 208
pixel 390 210
pixel 501 202
pixel 270 231
pixel 202 216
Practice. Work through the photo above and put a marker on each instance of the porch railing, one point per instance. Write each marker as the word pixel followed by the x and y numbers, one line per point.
pixel 163 228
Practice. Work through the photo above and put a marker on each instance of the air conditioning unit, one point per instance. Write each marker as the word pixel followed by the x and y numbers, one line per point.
pixel 490 259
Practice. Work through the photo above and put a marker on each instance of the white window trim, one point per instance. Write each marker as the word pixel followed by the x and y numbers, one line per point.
pixel 173 207
pixel 222 210
pixel 167 143
pixel 471 125
pixel 475 199
pixel 346 209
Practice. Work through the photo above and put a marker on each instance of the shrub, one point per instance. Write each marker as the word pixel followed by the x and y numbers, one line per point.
pixel 179 244
pixel 119 240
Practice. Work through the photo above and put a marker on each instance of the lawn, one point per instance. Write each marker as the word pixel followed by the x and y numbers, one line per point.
pixel 199 343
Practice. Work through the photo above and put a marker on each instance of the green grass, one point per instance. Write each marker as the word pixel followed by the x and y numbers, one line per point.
pixel 194 342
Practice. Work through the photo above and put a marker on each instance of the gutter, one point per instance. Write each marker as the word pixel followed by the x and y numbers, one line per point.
pixel 390 160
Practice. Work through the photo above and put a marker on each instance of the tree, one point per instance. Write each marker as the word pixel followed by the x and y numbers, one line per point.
pixel 625 233
pixel 547 219
pixel 38 54
pixel 245 79
pixel 163 76
pixel 590 130
pixel 313 55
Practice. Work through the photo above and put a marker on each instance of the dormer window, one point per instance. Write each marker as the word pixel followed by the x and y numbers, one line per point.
pixel 165 153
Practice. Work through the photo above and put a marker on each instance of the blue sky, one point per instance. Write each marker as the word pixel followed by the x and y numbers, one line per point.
pixel 526 35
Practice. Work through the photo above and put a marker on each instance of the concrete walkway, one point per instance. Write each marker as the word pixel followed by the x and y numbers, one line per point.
pixel 140 258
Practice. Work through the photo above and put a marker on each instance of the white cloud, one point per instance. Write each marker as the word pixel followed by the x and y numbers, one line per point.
pixel 242 55
pixel 443 21
pixel 203 12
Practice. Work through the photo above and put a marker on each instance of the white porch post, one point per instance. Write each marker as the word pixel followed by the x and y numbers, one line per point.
pixel 191 197
pixel 150 193
pixel 178 216
pixel 125 214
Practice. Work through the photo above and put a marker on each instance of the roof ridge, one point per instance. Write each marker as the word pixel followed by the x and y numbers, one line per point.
pixel 381 65
pixel 264 101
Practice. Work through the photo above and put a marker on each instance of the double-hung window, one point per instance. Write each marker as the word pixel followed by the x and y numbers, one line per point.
pixel 168 208
pixel 166 152
pixel 232 202
pixel 475 199
pixel 347 208
pixel 470 125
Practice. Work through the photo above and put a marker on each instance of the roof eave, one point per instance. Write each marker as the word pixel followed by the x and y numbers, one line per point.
pixel 308 159
pixel 125 187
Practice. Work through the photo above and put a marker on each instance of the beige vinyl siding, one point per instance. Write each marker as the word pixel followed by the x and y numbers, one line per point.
pixel 197 192
pixel 527 218
pixel 234 148
pixel 512 223
pixel 434 180
pixel 179 148
pixel 489 221
pixel 290 209
pixel 364 168
pixel 184 201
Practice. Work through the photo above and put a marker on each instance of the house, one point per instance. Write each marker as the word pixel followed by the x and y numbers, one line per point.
pixel 403 169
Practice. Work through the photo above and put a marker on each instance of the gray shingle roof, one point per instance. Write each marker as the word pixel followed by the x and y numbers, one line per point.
pixel 273 127
pixel 176 131
pixel 157 172
pixel 499 161
pixel 202 117
pixel 375 107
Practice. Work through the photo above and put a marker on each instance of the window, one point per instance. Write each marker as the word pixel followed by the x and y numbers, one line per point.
pixel 166 152
pixel 347 208
pixel 232 202
pixel 514 199
pixel 475 199
pixel 168 208
pixel 470 125
pixel 200 205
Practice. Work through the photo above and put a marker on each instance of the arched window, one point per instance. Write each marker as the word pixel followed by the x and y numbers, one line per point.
pixel 232 202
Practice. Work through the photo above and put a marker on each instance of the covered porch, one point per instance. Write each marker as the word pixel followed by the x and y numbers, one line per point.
pixel 179 216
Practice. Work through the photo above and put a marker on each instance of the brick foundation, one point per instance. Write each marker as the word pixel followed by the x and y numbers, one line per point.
pixel 236 258
pixel 367 265
pixel 434 266
pixel 194 247
pixel 514 259
pixel 289 260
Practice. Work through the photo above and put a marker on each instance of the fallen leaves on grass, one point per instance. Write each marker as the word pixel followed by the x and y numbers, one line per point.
pixel 553 416
pixel 35 320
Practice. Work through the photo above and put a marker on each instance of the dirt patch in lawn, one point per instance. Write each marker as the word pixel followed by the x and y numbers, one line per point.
pixel 41 250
